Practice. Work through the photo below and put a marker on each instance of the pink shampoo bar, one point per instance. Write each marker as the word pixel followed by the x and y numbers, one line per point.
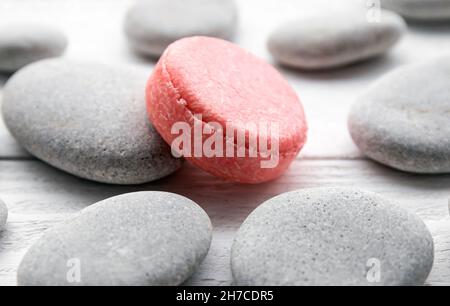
pixel 247 114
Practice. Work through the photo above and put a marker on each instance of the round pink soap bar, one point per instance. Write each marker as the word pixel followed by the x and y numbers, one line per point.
pixel 225 110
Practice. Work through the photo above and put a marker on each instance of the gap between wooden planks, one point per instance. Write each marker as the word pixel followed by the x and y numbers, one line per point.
pixel 39 197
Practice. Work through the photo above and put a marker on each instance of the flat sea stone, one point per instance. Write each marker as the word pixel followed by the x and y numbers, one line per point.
pixel 3 214
pixel 137 239
pixel 333 41
pixel 152 25
pixel 420 10
pixel 402 121
pixel 87 119
pixel 21 45
pixel 331 236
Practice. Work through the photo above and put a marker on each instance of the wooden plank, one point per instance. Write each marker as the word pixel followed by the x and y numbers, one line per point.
pixel 39 197
pixel 327 96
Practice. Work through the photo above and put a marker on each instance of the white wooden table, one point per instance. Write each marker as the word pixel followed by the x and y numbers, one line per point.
pixel 39 196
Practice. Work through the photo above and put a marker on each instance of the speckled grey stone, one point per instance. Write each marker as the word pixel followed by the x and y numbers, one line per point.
pixel 3 214
pixel 420 10
pixel 136 239
pixel 21 45
pixel 331 236
pixel 87 119
pixel 327 42
pixel 403 120
pixel 152 25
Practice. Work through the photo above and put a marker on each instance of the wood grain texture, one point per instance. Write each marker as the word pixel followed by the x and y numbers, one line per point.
pixel 39 197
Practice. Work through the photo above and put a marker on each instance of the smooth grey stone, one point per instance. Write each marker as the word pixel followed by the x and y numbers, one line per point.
pixel 87 119
pixel 333 41
pixel 152 25
pixel 331 236
pixel 136 239
pixel 402 121
pixel 3 214
pixel 420 10
pixel 21 45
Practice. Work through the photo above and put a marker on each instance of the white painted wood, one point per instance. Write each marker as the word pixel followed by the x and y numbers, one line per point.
pixel 95 32
pixel 39 197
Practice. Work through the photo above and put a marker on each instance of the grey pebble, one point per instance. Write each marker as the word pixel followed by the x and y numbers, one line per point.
pixel 152 25
pixel 334 41
pixel 136 239
pixel 402 121
pixel 21 45
pixel 331 236
pixel 3 214
pixel 420 10
pixel 87 119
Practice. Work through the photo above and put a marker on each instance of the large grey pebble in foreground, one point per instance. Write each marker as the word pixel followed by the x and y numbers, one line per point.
pixel 3 214
pixel 334 41
pixel 420 10
pixel 152 25
pixel 403 120
pixel 87 119
pixel 331 237
pixel 137 239
pixel 21 45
